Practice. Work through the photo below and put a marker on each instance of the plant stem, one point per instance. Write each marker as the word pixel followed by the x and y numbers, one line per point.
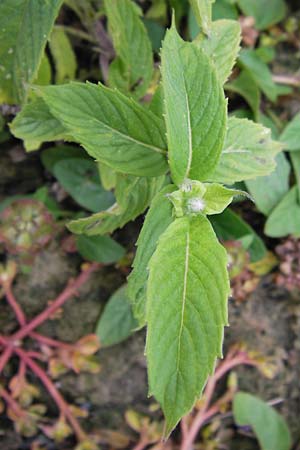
pixel 5 357
pixel 205 412
pixel 11 402
pixel 55 394
pixel 68 292
pixel 14 304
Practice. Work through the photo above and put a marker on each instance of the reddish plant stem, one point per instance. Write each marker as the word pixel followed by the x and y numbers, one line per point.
pixel 11 402
pixel 55 394
pixel 5 357
pixel 205 412
pixel 67 293
pixel 51 342
pixel 14 304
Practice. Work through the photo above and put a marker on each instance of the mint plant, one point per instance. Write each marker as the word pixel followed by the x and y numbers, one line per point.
pixel 181 157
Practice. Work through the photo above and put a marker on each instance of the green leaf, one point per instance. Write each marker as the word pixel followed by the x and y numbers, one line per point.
pixel 260 73
pixel 265 12
pixel 102 249
pixel 295 157
pixel 133 196
pixel 158 218
pixel 186 311
pixel 63 56
pixel 229 226
pixel 248 152
pixel 291 135
pixel 35 125
pixel 156 33
pixel 225 9
pixel 195 198
pixel 245 86
pixel 116 322
pixel 203 13
pixel 157 102
pixel 111 127
pixel 53 155
pixel 24 29
pixel 44 73
pixel 268 191
pixel 222 46
pixel 132 46
pixel 285 218
pixel 80 178
pixel 195 109
pixel 269 427
pixel 108 176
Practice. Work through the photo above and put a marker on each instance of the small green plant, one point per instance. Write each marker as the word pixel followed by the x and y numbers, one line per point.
pixel 176 156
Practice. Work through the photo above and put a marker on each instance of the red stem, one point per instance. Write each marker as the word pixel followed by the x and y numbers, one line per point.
pixel 14 304
pixel 68 292
pixel 11 402
pixel 55 394
pixel 51 342
pixel 204 413
pixel 5 357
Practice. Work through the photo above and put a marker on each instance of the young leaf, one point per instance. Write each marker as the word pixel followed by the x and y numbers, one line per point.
pixel 133 196
pixel 102 249
pixel 111 127
pixel 158 218
pixel 116 322
pixel 285 218
pixel 222 46
pixel 132 45
pixel 195 109
pixel 295 158
pixel 265 12
pixel 268 191
pixel 203 12
pixel 269 427
pixel 291 135
pixel 195 198
pixel 24 29
pixel 248 152
pixel 186 311
pixel 80 178
pixel 229 226
pixel 63 55
pixel 35 124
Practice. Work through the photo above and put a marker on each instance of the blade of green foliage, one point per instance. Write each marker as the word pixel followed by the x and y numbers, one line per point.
pixel 225 9
pixel 108 176
pixel 268 191
pixel 186 311
pixel 111 127
pixel 245 86
pixel 203 13
pixel 80 178
pixel 102 249
pixel 260 73
pixel 158 218
pixel 195 109
pixel 24 29
pixel 133 196
pixel 44 73
pixel 285 218
pixel 116 322
pixel 63 56
pixel 222 46
pixel 157 102
pixel 132 45
pixel 53 155
pixel 265 12
pixel 248 152
pixel 35 124
pixel 295 158
pixel 229 226
pixel 269 427
pixel 291 135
